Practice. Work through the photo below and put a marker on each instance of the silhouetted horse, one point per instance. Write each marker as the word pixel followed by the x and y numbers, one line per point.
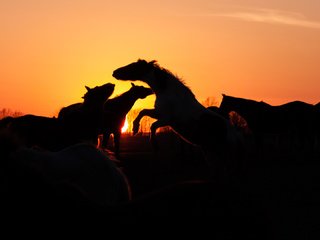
pixel 47 133
pixel 84 120
pixel 4 122
pixel 293 120
pixel 177 107
pixel 253 111
pixel 44 132
pixel 217 110
pixel 76 177
pixel 317 107
pixel 115 111
pixel 76 124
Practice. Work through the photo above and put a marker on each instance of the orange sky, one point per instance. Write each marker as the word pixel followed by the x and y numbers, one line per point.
pixel 264 51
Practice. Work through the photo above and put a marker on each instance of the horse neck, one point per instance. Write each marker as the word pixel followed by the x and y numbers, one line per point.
pixel 92 106
pixel 124 102
pixel 162 81
pixel 157 80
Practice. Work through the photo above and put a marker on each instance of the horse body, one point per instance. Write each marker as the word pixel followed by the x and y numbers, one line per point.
pixel 79 122
pixel 74 177
pixel 177 107
pixel 84 120
pixel 188 118
pixel 115 111
pixel 65 111
pixel 252 111
pixel 44 132
pixel 293 121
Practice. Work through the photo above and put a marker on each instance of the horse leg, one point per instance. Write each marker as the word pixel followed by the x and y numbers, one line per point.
pixel 157 124
pixel 105 140
pixel 145 112
pixel 116 136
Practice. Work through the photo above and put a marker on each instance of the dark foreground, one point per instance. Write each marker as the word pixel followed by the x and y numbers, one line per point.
pixel 275 196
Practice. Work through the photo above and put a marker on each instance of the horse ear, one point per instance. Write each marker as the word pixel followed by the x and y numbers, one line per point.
pixel 142 61
pixel 223 95
pixel 132 85
pixel 88 89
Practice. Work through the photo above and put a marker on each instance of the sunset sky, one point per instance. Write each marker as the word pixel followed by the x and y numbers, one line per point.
pixel 263 50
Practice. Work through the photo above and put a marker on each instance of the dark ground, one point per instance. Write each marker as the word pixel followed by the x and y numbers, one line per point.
pixel 275 195
pixel 148 170
pixel 278 192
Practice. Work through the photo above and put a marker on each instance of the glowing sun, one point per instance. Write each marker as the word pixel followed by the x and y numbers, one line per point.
pixel 125 126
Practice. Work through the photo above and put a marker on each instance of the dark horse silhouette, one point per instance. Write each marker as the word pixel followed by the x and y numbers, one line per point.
pixel 294 120
pixel 44 132
pixel 39 180
pixel 177 107
pixel 317 107
pixel 84 120
pixel 115 111
pixel 78 123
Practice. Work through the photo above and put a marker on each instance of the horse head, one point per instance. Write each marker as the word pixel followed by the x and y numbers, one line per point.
pixel 226 104
pixel 240 105
pixel 134 71
pixel 98 94
pixel 140 91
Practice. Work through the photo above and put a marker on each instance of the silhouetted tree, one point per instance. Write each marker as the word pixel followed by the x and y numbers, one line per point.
pixel 6 112
pixel 145 122
pixel 209 101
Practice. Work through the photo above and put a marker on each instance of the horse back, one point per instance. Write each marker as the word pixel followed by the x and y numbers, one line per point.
pixel 38 131
pixel 77 175
pixel 4 122
pixel 66 112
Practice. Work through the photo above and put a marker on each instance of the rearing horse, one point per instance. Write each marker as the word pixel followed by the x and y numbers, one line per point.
pixel 177 107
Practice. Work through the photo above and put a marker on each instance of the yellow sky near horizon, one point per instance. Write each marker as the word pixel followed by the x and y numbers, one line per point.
pixel 264 51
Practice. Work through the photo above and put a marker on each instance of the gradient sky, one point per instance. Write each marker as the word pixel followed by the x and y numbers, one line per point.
pixel 50 50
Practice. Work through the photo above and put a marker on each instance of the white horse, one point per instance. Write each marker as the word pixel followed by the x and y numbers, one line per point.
pixel 177 107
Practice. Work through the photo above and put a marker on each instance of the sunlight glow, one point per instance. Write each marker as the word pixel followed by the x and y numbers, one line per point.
pixel 125 126
pixel 261 50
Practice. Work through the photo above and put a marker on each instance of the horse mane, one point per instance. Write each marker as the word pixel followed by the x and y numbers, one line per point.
pixel 165 73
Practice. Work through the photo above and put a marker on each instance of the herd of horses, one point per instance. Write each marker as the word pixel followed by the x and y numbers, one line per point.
pixel 56 151
pixel 294 125
pixel 61 154
pixel 79 122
